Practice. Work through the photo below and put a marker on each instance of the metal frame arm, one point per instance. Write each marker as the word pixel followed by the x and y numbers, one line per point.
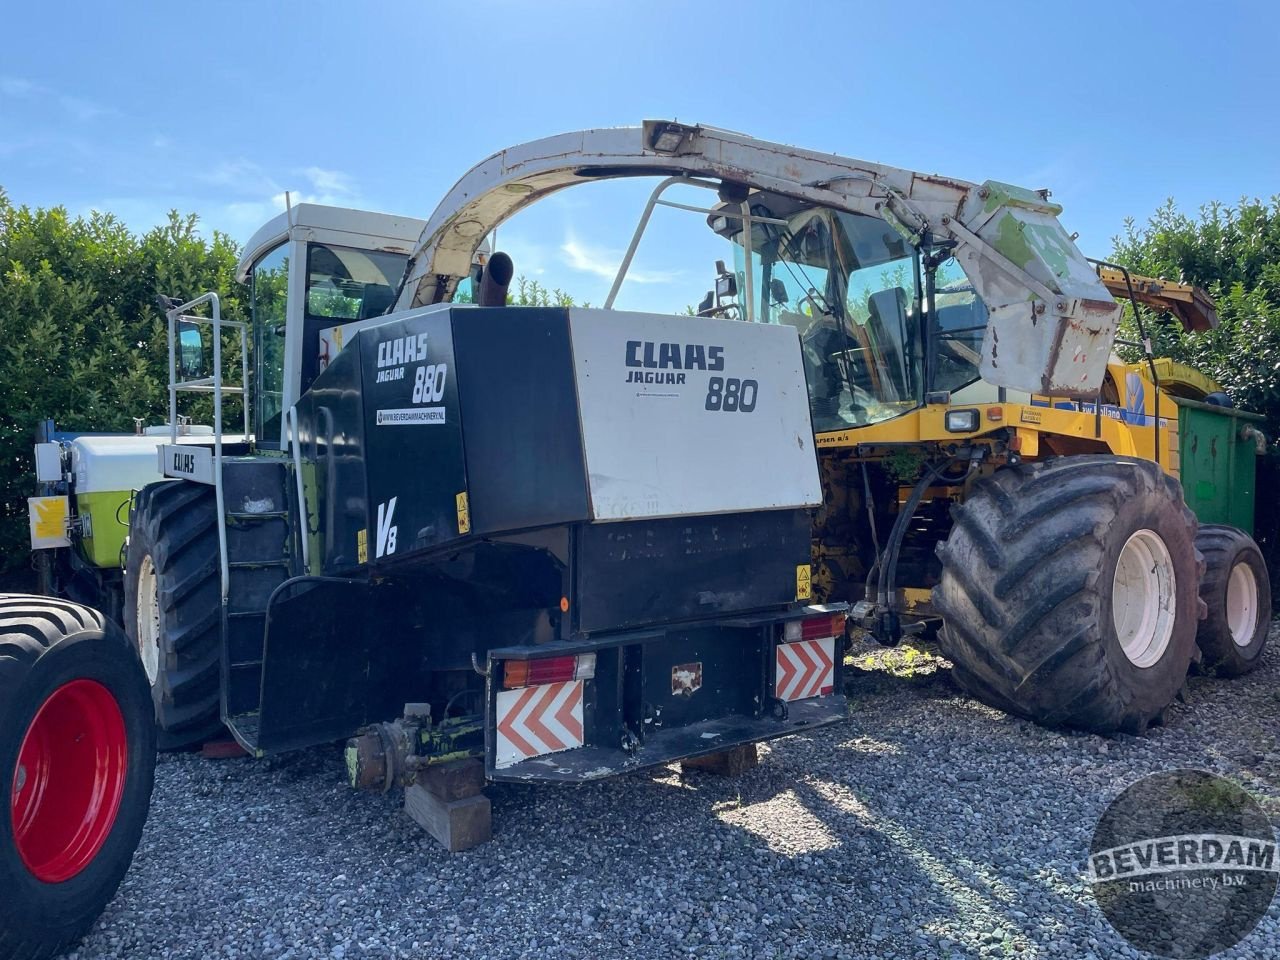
pixel 1009 243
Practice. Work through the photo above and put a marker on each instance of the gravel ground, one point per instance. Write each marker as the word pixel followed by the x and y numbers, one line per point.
pixel 925 826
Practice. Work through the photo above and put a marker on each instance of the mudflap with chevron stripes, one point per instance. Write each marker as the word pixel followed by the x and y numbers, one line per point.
pixel 601 707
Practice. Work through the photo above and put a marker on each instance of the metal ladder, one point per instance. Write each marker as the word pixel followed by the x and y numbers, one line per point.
pixel 213 384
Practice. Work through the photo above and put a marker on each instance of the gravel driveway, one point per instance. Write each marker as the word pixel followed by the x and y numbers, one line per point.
pixel 926 826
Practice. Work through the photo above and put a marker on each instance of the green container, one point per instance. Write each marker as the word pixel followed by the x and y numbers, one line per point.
pixel 108 515
pixel 1217 452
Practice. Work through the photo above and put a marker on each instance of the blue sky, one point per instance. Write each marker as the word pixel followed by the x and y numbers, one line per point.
pixel 217 108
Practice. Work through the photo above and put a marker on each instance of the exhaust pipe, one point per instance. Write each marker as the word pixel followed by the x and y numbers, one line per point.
pixel 495 280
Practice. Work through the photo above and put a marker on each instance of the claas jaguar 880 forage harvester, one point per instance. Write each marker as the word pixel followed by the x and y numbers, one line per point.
pixel 557 544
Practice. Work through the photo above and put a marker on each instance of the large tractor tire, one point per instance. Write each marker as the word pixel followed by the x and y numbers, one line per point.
pixel 173 607
pixel 1237 592
pixel 1068 592
pixel 77 757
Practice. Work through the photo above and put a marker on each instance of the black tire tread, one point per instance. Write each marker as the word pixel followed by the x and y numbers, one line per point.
pixel 1019 596
pixel 1222 546
pixel 29 627
pixel 176 521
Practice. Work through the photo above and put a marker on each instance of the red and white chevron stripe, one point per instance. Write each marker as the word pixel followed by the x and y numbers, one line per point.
pixel 534 721
pixel 805 669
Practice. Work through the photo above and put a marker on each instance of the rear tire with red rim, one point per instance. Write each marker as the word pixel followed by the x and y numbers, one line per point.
pixel 77 757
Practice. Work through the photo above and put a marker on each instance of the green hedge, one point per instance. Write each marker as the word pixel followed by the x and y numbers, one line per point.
pixel 81 339
pixel 1234 254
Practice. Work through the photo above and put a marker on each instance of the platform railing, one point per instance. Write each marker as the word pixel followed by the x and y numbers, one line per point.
pixel 178 315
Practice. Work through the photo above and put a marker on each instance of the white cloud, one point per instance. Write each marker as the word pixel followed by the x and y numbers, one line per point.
pixel 81 109
pixel 262 192
pixel 85 110
pixel 240 219
pixel 9 148
pixel 530 258
pixel 331 182
pixel 244 176
pixel 603 262
pixel 18 88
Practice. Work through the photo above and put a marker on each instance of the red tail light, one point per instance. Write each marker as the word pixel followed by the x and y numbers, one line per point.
pixel 814 628
pixel 533 673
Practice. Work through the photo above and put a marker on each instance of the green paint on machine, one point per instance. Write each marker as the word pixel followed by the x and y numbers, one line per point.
pixel 1217 462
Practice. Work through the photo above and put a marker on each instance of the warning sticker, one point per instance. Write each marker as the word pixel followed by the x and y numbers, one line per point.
pixel 410 416
pixel 48 522
pixel 804 586
pixel 464 513
pixel 362 545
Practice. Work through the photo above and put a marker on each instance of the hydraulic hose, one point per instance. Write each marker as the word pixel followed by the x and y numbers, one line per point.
pixel 889 565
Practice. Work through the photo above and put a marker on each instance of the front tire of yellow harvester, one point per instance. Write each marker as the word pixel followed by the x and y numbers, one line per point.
pixel 1069 592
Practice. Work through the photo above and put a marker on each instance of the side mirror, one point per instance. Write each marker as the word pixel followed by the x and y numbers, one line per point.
pixel 777 290
pixel 726 282
pixel 190 351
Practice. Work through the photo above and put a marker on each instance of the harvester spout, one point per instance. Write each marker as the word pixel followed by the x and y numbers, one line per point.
pixel 1052 321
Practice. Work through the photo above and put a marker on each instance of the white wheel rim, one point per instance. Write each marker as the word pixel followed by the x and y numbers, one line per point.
pixel 148 620
pixel 1142 598
pixel 1242 604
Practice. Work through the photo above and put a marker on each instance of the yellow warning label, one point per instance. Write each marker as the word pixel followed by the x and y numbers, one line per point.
pixel 1030 416
pixel 804 585
pixel 362 546
pixel 48 520
pixel 464 513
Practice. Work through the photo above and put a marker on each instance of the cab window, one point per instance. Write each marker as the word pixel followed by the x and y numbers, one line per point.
pixel 269 292
pixel 959 323
pixel 344 284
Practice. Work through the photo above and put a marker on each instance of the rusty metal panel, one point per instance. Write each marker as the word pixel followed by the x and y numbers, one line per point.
pixel 686 679
pixel 1052 321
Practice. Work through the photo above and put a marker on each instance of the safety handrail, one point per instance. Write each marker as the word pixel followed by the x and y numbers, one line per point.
pixel 295 449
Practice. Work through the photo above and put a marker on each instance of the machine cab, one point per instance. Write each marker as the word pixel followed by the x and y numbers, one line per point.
pixel 311 270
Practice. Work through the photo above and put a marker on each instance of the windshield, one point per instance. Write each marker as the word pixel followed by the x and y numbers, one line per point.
pixel 344 283
pixel 348 284
pixel 850 285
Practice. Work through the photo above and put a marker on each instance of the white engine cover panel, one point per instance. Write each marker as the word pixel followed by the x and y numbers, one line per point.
pixel 691 415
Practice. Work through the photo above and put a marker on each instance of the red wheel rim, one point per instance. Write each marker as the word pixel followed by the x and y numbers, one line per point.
pixel 69 780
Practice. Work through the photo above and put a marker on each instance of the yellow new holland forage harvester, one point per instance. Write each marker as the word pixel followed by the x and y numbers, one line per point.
pixel 1078 528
